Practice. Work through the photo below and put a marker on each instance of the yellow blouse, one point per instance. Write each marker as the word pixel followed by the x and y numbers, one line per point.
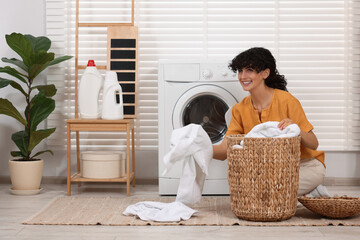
pixel 283 105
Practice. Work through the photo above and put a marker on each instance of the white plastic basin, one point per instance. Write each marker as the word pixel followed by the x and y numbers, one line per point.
pixel 102 164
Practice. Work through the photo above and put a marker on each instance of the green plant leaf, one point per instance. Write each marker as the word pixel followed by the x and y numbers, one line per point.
pixel 21 45
pixel 40 61
pixel 40 108
pixel 13 72
pixel 47 90
pixel 59 60
pixel 5 82
pixel 39 43
pixel 7 108
pixel 16 71
pixel 21 140
pixel 37 136
pixel 41 152
pixel 16 62
pixel 17 154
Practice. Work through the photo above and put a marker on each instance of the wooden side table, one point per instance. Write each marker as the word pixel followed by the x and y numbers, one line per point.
pixel 124 125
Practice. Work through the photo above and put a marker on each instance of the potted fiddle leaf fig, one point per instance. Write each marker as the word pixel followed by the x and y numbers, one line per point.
pixel 26 167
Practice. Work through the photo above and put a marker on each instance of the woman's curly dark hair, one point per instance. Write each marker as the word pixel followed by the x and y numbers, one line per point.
pixel 260 59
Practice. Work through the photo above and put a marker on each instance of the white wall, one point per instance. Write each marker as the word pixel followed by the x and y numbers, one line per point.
pixel 29 17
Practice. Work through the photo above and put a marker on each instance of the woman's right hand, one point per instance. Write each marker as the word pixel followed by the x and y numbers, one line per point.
pixel 220 151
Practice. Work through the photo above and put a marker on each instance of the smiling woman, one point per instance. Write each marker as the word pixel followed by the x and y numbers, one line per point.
pixel 254 66
pixel 250 79
pixel 268 101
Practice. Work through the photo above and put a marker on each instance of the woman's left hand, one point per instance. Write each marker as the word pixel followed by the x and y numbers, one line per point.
pixel 284 123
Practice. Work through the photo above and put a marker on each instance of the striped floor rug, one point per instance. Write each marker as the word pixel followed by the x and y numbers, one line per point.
pixel 212 211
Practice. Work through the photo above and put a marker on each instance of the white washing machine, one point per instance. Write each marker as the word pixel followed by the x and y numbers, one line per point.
pixel 201 92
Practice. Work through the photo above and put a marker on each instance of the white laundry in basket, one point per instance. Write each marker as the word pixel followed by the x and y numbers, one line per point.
pixel 270 129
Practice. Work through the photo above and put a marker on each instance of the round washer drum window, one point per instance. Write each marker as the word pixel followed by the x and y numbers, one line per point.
pixel 209 112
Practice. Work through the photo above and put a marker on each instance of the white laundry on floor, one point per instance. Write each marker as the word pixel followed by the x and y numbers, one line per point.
pixel 192 146
pixel 160 212
pixel 270 129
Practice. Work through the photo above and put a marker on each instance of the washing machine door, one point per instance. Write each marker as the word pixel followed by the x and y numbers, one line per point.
pixel 205 105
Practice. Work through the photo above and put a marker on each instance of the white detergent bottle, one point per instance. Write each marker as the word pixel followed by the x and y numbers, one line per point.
pixel 112 109
pixel 89 89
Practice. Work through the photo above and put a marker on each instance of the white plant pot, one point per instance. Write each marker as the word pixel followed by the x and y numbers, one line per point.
pixel 26 175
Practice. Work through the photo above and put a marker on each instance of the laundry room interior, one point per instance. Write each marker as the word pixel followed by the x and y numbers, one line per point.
pixel 176 72
pixel 199 43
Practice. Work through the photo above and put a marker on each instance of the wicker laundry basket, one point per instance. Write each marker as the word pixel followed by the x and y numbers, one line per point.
pixel 332 207
pixel 263 177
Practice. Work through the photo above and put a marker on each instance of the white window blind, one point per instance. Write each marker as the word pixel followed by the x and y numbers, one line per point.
pixel 352 84
pixel 58 26
pixel 316 44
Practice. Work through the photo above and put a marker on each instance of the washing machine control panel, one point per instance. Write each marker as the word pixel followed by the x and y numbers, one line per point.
pixel 216 72
pixel 207 74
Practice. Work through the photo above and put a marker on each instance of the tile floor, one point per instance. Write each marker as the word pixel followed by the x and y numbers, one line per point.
pixel 15 209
